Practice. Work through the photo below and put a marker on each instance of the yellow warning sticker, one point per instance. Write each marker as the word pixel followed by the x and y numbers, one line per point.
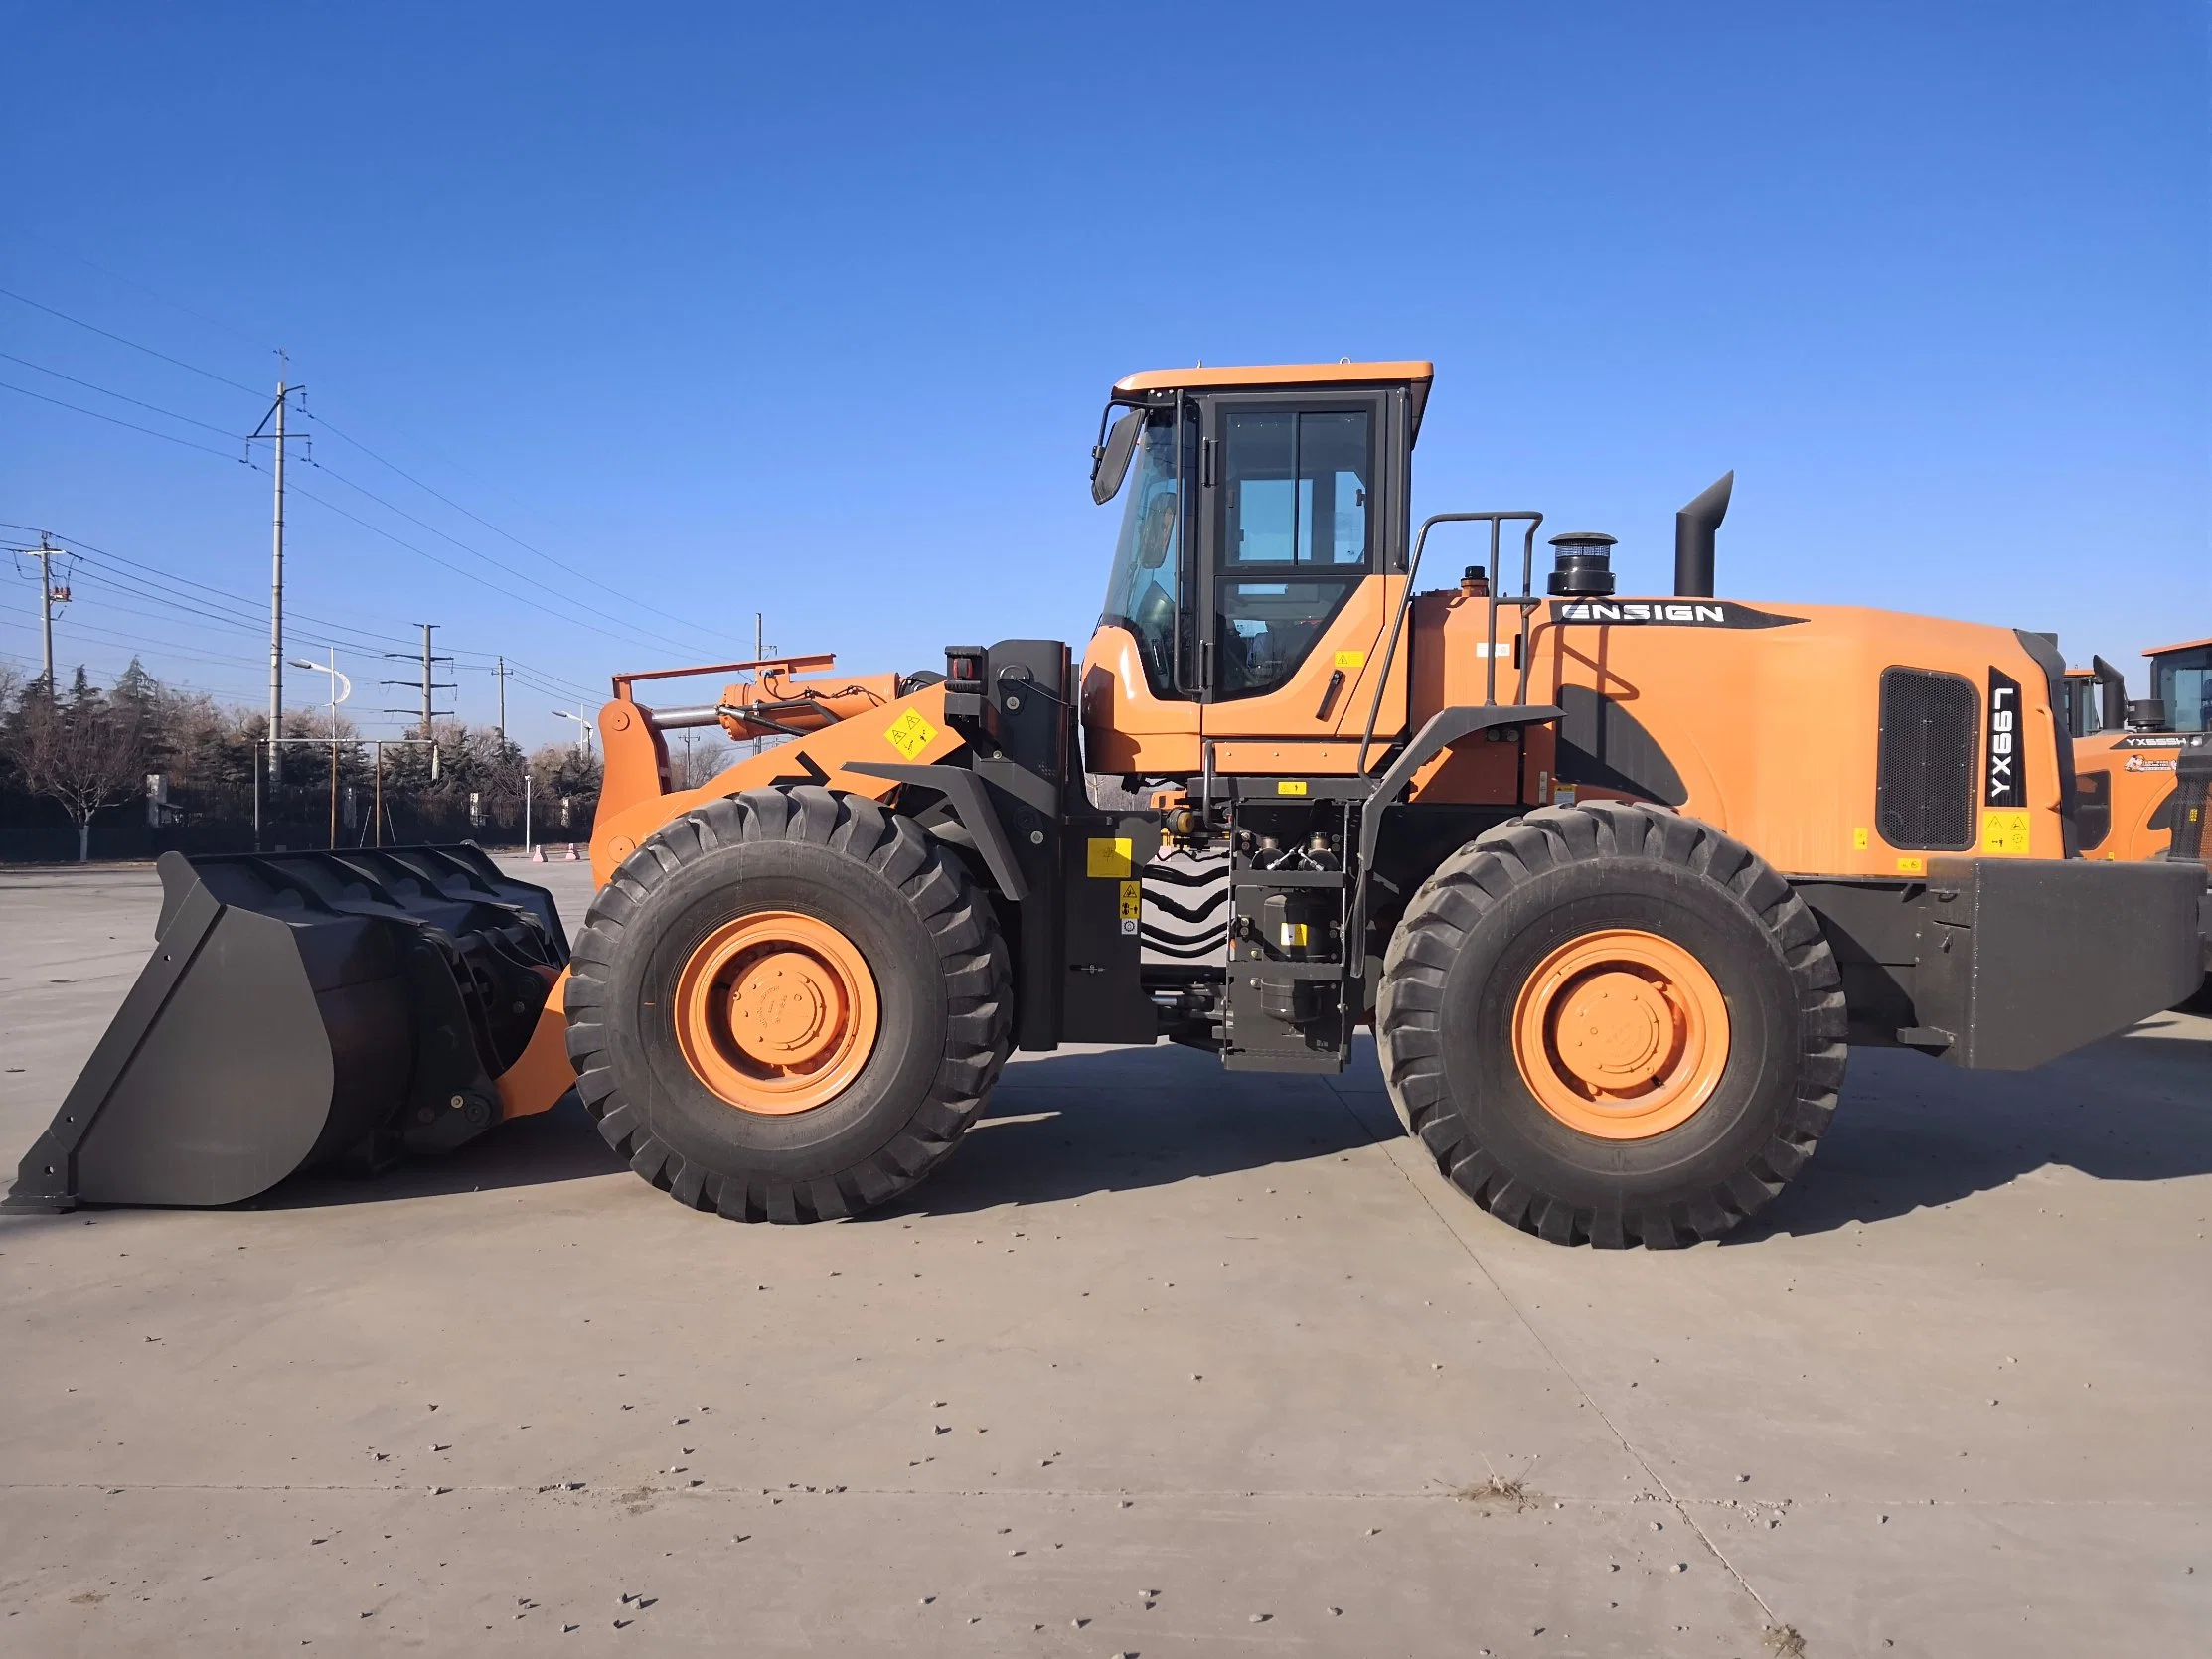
pixel 1107 858
pixel 2004 834
pixel 1291 786
pixel 910 734
pixel 1911 866
pixel 1351 659
pixel 1132 900
pixel 1860 840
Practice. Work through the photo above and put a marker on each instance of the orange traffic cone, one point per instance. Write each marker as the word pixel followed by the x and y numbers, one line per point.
pixel 538 853
pixel 572 852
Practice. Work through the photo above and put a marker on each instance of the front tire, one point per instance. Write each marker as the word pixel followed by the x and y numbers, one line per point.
pixel 787 1005
pixel 1611 1025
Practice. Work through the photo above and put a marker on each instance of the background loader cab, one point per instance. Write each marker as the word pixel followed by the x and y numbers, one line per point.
pixel 2140 764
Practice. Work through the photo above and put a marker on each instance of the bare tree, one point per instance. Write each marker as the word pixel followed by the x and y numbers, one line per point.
pixel 698 757
pixel 76 752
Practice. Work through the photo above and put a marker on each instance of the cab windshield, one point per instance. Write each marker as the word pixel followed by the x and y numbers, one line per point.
pixel 1141 594
pixel 2183 681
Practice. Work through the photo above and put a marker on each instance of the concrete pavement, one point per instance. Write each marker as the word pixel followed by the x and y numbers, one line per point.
pixel 1166 1360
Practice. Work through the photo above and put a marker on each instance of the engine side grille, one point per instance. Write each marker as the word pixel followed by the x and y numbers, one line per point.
pixel 2093 808
pixel 1924 771
pixel 2191 805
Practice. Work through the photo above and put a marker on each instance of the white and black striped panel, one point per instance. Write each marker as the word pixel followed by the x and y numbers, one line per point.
pixel 1183 918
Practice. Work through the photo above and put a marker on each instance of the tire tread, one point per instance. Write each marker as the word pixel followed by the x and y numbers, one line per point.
pixel 1475 879
pixel 978 985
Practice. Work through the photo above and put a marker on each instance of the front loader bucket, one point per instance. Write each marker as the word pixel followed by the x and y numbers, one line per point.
pixel 302 1010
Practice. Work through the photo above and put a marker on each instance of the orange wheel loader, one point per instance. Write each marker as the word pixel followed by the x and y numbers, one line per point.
pixel 2144 768
pixel 2135 800
pixel 1615 882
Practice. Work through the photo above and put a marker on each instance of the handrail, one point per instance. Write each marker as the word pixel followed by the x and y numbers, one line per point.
pixel 1405 602
pixel 789 664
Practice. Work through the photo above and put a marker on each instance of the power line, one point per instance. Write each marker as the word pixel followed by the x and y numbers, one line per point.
pixel 484 659
pixel 164 299
pixel 211 611
pixel 227 609
pixel 160 576
pixel 171 415
pixel 131 424
pixel 448 564
pixel 105 636
pixel 540 672
pixel 323 422
pixel 477 552
pixel 23 299
pixel 631 635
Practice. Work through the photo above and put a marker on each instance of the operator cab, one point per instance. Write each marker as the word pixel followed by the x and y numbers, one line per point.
pixel 2082 712
pixel 2182 680
pixel 1260 500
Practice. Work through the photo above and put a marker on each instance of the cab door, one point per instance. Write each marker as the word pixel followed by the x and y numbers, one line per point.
pixel 1301 557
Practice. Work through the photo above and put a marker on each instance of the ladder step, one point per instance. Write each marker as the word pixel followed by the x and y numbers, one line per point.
pixel 1286 878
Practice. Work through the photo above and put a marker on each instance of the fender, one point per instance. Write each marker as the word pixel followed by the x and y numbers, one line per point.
pixel 963 793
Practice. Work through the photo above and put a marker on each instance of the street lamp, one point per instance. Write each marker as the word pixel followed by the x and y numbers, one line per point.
pixel 336 680
pixel 336 698
pixel 584 735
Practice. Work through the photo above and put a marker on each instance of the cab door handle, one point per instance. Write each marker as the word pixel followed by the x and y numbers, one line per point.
pixel 1329 694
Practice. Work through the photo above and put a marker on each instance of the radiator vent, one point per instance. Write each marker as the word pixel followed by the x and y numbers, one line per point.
pixel 1923 773
pixel 2191 805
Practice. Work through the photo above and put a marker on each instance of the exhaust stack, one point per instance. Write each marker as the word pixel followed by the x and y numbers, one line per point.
pixel 1693 539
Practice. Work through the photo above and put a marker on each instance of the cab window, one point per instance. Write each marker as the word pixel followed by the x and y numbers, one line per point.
pixel 2183 681
pixel 1144 593
pixel 1295 536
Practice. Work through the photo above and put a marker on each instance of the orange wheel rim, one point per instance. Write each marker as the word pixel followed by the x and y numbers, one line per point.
pixel 776 1013
pixel 1621 1034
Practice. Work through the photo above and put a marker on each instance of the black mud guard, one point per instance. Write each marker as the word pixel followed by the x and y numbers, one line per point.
pixel 964 794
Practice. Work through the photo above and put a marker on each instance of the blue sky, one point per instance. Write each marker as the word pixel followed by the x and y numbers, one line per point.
pixel 692 312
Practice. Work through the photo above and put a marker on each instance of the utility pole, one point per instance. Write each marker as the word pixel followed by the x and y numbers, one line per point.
pixel 430 685
pixel 757 654
pixel 502 672
pixel 276 572
pixel 427 685
pixel 49 596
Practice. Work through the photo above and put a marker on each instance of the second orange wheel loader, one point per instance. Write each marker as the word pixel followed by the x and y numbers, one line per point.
pixel 2133 758
pixel 2143 769
pixel 1616 881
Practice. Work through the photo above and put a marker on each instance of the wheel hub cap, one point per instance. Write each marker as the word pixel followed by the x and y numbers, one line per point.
pixel 1613 1029
pixel 775 1012
pixel 1621 1034
pixel 784 1009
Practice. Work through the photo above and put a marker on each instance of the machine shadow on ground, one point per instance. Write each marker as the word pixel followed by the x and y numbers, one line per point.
pixel 1911 1134
pixel 1058 1127
pixel 1914 1134
pixel 1071 1125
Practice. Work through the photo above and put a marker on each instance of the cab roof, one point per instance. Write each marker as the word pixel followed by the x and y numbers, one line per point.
pixel 1413 374
pixel 2185 645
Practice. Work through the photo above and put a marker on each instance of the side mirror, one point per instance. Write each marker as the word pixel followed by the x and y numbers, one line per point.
pixel 2111 686
pixel 1110 459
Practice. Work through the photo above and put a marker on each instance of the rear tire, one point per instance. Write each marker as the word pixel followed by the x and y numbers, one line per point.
pixel 1474 946
pixel 933 1005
